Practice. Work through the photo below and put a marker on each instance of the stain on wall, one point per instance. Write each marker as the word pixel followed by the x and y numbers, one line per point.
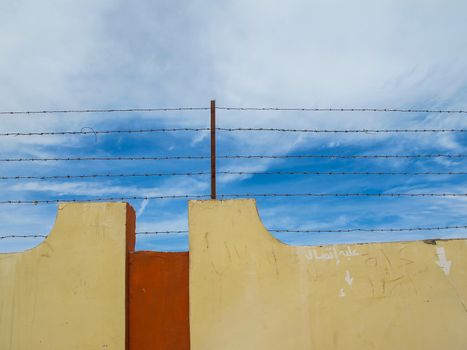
pixel 69 291
pixel 158 309
pixel 250 291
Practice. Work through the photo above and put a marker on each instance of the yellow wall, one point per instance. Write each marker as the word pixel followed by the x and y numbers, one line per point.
pixel 249 291
pixel 68 293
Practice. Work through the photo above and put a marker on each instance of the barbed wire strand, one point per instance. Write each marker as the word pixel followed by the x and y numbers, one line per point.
pixel 332 156
pixel 109 199
pixel 246 195
pixel 297 109
pixel 100 132
pixel 137 233
pixel 319 173
pixel 448 111
pixel 22 236
pixel 318 156
pixel 405 229
pixel 161 232
pixel 103 158
pixel 142 110
pixel 348 131
pixel 332 173
pixel 166 130
pixel 27 177
pixel 370 229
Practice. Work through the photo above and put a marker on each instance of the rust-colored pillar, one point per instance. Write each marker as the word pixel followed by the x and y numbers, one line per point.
pixel 130 247
pixel 158 301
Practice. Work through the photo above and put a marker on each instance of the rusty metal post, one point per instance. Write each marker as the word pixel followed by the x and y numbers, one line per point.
pixel 213 149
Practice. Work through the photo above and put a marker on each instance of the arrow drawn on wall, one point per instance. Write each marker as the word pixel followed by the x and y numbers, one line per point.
pixel 442 260
pixel 348 278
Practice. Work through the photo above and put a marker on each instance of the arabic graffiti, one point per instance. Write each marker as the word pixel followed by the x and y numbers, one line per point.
pixel 331 253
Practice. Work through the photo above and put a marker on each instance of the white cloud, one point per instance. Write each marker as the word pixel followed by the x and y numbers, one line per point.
pixel 176 187
pixel 143 206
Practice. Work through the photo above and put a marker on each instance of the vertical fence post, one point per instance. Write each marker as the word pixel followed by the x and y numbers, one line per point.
pixel 213 149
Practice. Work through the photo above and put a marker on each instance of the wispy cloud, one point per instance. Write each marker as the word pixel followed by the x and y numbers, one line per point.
pixel 143 206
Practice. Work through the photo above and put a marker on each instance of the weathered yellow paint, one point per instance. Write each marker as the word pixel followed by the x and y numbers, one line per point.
pixel 68 293
pixel 249 291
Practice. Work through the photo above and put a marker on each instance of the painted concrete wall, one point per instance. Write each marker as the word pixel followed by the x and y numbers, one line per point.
pixel 70 291
pixel 249 291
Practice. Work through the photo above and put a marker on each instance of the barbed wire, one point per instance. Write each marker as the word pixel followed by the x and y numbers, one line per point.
pixel 164 130
pixel 137 233
pixel 22 236
pixel 348 131
pixel 332 173
pixel 27 177
pixel 186 197
pixel 233 195
pixel 103 158
pixel 107 199
pixel 299 109
pixel 294 109
pixel 201 173
pixel 390 229
pixel 101 132
pixel 341 156
pixel 161 232
pixel 142 110
pixel 248 195
pixel 311 156
pixel 371 229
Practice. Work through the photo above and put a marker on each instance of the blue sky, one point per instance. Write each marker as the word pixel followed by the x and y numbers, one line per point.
pixel 114 54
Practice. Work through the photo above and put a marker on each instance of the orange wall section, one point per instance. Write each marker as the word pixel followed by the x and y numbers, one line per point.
pixel 158 301
pixel 130 231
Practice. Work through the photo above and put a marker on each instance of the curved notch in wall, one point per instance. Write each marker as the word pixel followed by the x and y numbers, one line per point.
pixel 249 291
pixel 69 292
